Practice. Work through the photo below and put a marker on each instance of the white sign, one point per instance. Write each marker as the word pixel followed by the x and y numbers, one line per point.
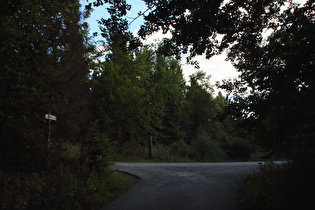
pixel 50 117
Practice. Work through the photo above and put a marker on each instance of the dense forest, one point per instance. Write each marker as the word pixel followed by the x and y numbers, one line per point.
pixel 108 99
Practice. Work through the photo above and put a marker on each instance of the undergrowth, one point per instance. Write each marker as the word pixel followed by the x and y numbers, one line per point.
pixel 179 151
pixel 278 187
pixel 63 188
pixel 160 153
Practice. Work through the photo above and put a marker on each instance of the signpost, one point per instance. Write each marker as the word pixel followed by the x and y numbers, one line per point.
pixel 150 135
pixel 49 117
pixel 150 147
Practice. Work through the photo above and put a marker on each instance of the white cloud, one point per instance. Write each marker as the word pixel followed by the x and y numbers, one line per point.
pixel 156 37
pixel 217 67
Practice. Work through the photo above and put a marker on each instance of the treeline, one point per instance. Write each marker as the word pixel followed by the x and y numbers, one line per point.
pixel 141 92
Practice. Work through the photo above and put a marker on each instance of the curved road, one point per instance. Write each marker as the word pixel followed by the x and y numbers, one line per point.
pixel 166 186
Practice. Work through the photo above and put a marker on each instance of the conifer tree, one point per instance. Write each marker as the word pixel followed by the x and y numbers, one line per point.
pixel 42 70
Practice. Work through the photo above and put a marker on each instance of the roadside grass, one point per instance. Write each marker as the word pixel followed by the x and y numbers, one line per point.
pixel 63 188
pixel 160 153
pixel 278 187
pixel 177 153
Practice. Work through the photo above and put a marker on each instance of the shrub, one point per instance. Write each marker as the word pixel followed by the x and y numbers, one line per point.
pixel 181 148
pixel 206 148
pixel 63 188
pixel 240 149
pixel 279 187
pixel 167 154
pixel 99 150
pixel 131 151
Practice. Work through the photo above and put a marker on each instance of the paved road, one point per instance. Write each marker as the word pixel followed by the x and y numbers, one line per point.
pixel 172 186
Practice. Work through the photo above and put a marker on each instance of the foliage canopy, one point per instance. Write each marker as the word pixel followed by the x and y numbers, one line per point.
pixel 277 70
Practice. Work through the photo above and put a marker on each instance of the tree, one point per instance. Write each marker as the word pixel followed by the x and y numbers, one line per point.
pixel 200 105
pixel 139 87
pixel 170 89
pixel 135 92
pixel 43 69
pixel 121 85
pixel 209 26
pixel 278 71
pixel 281 75
pixel 119 88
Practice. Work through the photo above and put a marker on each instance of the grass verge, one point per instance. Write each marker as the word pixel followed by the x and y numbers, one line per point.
pixel 160 153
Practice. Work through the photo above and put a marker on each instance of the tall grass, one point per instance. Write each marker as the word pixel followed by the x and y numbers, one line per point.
pixel 160 153
pixel 63 188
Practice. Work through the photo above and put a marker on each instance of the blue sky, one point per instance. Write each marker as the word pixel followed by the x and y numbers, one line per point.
pixel 100 12
pixel 217 67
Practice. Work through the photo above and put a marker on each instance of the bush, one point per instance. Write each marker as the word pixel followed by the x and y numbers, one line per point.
pixel 205 148
pixel 239 150
pixel 131 151
pixel 63 188
pixel 167 154
pixel 181 148
pixel 279 187
pixel 99 150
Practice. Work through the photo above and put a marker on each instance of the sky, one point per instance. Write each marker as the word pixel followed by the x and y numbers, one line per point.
pixel 217 66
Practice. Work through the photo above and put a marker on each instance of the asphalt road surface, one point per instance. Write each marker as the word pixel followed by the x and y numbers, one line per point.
pixel 167 186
